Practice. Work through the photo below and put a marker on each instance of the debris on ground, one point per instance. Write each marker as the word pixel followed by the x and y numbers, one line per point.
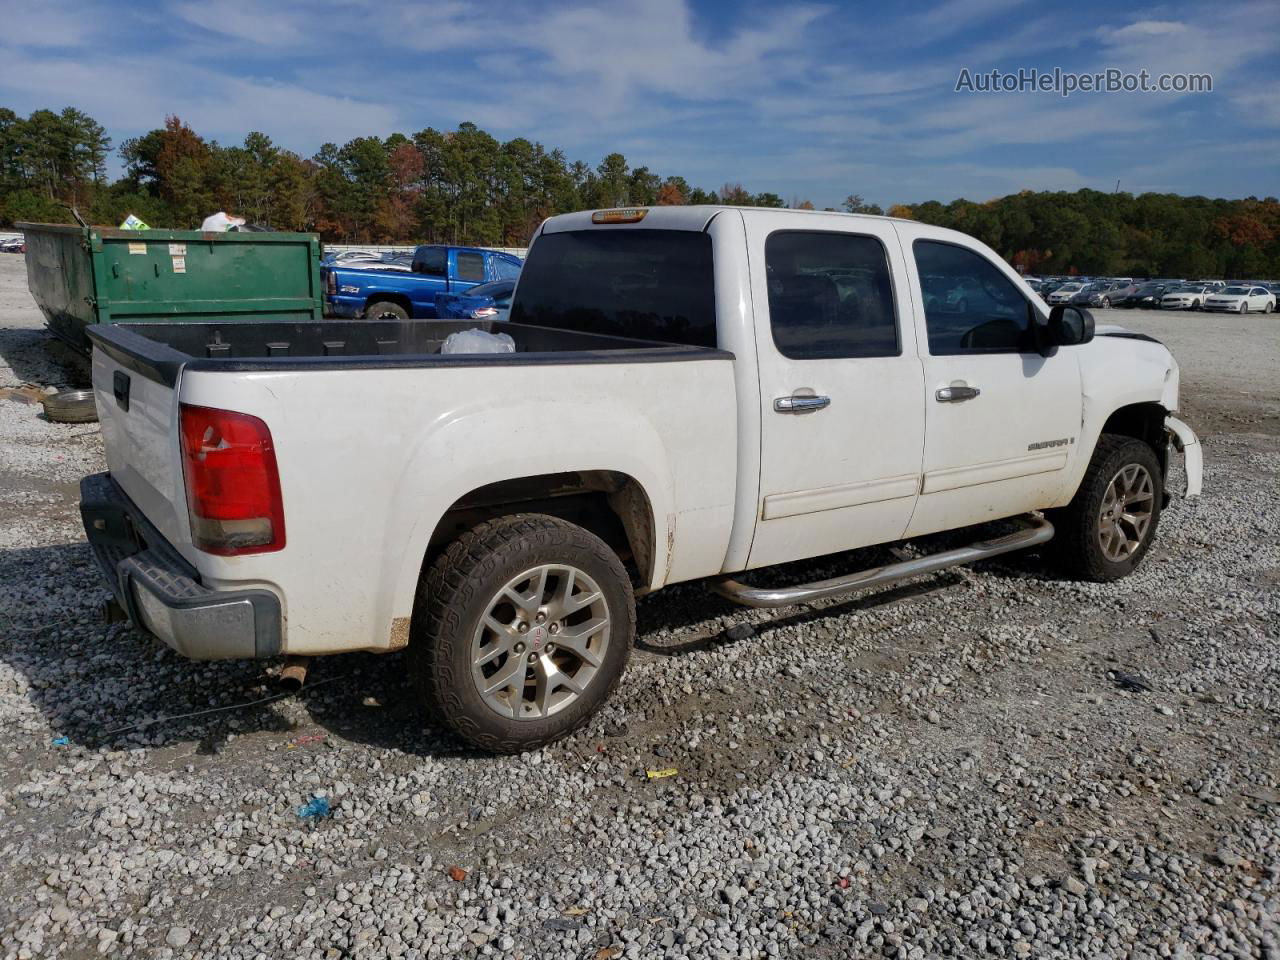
pixel 661 774
pixel 317 808
pixel 1130 681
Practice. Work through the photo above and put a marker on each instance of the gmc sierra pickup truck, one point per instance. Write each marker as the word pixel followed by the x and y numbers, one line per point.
pixel 695 392
pixel 378 293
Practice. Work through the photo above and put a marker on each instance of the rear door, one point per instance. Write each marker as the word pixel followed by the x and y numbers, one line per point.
pixel 1001 420
pixel 842 415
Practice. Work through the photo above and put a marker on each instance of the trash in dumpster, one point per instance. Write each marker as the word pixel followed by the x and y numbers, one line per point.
pixel 317 808
pixel 478 341
pixel 133 223
pixel 221 222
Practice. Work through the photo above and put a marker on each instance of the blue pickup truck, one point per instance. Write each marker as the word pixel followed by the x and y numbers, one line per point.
pixel 387 294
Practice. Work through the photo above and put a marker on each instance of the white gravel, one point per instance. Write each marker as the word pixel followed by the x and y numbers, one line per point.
pixel 942 769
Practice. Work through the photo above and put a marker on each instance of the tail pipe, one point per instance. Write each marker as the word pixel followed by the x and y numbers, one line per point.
pixel 294 674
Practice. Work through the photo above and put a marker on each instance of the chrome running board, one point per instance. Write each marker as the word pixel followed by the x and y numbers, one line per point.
pixel 1038 531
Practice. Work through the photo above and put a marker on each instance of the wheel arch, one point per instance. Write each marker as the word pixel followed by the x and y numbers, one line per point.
pixel 611 504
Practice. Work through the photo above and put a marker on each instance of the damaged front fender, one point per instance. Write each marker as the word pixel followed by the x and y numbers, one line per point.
pixel 1186 442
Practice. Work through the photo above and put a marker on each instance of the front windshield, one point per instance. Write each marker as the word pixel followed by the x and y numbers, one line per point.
pixel 1149 289
pixel 1236 291
pixel 1185 290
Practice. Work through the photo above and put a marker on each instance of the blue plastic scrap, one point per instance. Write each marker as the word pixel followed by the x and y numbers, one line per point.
pixel 317 808
pixel 62 741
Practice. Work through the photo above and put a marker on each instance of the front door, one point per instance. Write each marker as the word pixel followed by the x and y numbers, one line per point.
pixel 842 419
pixel 1001 421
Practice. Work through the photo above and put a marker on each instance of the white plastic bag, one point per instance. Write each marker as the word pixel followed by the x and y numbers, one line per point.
pixel 478 341
pixel 221 222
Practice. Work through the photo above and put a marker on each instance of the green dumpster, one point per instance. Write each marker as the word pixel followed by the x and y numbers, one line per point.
pixel 85 275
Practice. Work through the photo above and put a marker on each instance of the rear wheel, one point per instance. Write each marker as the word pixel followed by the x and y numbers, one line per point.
pixel 522 630
pixel 1106 530
pixel 386 310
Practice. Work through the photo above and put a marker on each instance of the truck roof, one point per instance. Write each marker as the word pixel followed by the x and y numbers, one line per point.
pixel 688 217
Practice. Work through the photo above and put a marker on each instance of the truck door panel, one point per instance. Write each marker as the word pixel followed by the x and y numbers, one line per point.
pixel 1001 420
pixel 842 420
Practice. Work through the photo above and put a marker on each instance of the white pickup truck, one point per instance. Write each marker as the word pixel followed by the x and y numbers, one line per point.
pixel 695 392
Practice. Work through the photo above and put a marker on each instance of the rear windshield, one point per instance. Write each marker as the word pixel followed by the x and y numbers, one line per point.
pixel 648 284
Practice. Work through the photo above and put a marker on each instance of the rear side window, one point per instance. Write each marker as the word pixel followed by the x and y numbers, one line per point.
pixel 433 261
pixel 506 269
pixel 970 306
pixel 648 284
pixel 471 267
pixel 830 295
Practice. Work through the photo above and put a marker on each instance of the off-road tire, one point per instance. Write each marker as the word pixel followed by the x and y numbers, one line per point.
pixel 456 591
pixel 386 310
pixel 1076 545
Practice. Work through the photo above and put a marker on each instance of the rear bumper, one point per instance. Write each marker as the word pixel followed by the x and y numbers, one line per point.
pixel 162 593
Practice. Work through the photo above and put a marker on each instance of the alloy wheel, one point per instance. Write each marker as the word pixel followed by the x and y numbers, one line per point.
pixel 1126 511
pixel 540 643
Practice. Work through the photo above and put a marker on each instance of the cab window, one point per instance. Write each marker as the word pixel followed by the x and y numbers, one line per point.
pixel 830 295
pixel 970 306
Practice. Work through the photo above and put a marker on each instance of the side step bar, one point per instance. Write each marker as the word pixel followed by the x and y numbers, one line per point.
pixel 1038 531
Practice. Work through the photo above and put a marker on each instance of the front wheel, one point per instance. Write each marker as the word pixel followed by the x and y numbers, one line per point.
pixel 1244 307
pixel 1106 530
pixel 1106 302
pixel 522 630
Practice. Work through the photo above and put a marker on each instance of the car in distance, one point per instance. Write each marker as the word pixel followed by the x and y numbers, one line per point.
pixel 489 301
pixel 715 390
pixel 1189 296
pixel 1145 296
pixel 1241 298
pixel 1065 292
pixel 1097 294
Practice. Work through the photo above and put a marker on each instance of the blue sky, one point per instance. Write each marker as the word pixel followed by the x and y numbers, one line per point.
pixel 808 100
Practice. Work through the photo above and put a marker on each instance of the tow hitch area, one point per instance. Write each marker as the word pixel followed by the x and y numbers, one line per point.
pixel 1036 530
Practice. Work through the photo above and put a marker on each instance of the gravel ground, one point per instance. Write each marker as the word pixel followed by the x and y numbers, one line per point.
pixel 943 769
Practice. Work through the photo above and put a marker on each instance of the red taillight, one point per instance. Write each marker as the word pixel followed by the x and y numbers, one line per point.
pixel 233 486
pixel 479 313
pixel 331 281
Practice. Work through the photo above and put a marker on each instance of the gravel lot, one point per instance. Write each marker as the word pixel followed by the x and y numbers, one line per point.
pixel 941 769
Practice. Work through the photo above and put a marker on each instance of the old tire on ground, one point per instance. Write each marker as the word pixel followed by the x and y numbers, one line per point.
pixel 1106 530
pixel 71 406
pixel 385 310
pixel 522 629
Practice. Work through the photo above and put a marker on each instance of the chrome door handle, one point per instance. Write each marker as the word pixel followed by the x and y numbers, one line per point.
pixel 952 394
pixel 800 403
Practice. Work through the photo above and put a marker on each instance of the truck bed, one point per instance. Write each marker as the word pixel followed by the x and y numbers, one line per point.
pixel 160 350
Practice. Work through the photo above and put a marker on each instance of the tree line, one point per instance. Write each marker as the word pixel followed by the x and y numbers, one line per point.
pixel 466 186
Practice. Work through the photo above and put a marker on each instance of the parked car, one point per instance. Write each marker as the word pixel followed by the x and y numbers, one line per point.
pixel 1189 296
pixel 358 291
pixel 1064 293
pixel 1096 294
pixel 13 245
pixel 487 301
pixel 707 402
pixel 1145 296
pixel 1241 299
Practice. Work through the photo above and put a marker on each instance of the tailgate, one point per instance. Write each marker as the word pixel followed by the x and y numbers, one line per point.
pixel 138 413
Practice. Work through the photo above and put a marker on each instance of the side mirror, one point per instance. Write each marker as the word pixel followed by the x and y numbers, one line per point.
pixel 1069 326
